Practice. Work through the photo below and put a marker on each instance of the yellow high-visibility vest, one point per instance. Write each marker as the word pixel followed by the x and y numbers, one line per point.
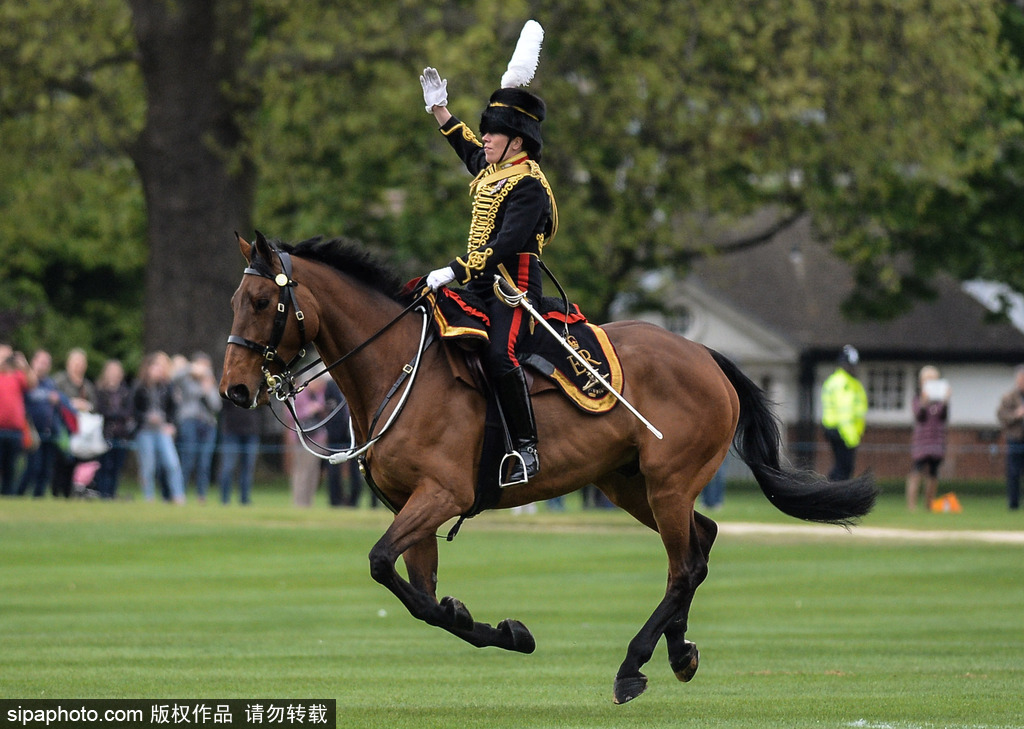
pixel 844 406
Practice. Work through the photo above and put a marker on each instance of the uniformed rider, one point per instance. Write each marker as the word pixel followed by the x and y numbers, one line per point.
pixel 514 216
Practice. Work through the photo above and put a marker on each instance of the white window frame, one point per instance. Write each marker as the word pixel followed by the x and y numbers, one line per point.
pixel 890 389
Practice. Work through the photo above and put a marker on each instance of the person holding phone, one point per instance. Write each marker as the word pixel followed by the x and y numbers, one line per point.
pixel 928 442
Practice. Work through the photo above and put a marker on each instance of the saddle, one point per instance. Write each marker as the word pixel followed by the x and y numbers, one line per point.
pixel 461 319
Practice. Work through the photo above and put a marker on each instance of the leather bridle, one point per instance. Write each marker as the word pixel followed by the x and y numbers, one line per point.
pixel 285 301
pixel 282 385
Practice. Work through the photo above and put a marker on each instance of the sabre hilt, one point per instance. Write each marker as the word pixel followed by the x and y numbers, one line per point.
pixel 507 292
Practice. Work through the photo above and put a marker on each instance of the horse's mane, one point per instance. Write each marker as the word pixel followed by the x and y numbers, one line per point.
pixel 350 257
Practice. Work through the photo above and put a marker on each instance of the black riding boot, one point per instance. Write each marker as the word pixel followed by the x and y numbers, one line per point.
pixel 514 397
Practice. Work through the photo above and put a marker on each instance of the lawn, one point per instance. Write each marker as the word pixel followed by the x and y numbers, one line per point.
pixel 135 600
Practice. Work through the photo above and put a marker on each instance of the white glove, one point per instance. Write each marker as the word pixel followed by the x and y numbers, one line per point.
pixel 435 89
pixel 440 277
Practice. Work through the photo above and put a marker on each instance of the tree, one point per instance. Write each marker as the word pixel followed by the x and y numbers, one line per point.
pixel 194 162
pixel 143 133
pixel 982 217
pixel 128 121
pixel 71 213
pixel 857 114
pixel 669 123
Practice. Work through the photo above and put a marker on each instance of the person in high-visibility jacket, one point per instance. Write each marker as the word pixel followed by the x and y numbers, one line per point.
pixel 844 405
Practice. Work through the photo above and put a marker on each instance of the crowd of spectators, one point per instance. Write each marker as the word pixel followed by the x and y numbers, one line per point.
pixel 168 418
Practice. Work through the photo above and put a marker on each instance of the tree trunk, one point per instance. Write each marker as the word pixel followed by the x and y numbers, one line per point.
pixel 196 170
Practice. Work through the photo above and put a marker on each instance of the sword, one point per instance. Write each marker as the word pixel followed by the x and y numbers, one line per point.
pixel 513 297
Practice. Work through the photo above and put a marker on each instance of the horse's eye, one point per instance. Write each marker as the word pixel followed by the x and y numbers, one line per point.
pixel 261 304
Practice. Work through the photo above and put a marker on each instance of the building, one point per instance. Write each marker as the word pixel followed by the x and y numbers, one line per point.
pixel 775 310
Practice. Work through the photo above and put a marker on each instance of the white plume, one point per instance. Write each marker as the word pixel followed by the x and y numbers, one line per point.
pixel 525 58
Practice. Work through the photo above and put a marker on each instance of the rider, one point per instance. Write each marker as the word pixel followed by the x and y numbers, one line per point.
pixel 514 216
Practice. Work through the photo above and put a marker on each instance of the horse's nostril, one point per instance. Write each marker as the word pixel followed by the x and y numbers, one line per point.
pixel 239 395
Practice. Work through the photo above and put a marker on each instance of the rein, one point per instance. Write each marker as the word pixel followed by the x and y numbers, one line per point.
pixel 409 371
pixel 282 386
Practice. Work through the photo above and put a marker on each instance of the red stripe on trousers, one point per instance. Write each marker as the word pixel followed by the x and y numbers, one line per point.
pixel 523 282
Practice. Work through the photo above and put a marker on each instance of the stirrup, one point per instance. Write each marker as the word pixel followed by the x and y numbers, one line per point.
pixel 518 472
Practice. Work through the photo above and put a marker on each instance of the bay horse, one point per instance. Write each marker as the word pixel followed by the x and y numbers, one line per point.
pixel 335 297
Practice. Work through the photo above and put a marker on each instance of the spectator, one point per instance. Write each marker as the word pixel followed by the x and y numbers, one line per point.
pixel 1011 417
pixel 304 472
pixel 713 495
pixel 844 405
pixel 198 407
pixel 594 498
pixel 44 403
pixel 16 379
pixel 239 448
pixel 341 491
pixel 82 393
pixel 114 403
pixel 154 405
pixel 928 442
pixel 179 363
pixel 73 382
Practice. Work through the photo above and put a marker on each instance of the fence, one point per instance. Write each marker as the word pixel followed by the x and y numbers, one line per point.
pixel 972 454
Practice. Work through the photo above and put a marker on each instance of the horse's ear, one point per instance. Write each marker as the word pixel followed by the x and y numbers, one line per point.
pixel 263 248
pixel 244 247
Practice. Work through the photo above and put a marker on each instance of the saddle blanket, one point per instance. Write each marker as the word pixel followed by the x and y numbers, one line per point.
pixel 461 317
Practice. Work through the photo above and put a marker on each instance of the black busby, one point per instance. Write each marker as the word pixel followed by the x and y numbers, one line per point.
pixel 512 110
pixel 517 113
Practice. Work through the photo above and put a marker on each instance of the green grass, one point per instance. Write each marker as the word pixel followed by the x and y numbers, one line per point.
pixel 135 600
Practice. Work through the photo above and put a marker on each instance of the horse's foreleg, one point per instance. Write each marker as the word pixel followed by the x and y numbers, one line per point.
pixel 688 550
pixel 412 529
pixel 421 564
pixel 413 536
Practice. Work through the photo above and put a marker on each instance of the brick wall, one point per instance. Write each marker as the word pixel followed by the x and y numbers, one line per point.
pixel 971 453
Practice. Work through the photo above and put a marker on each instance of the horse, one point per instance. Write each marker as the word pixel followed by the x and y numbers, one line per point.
pixel 355 311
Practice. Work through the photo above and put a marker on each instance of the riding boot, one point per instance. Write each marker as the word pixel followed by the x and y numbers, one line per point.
pixel 514 397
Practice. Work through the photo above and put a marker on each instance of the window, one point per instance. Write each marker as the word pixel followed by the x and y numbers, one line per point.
pixel 886 387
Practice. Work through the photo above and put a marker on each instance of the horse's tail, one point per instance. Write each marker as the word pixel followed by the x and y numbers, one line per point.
pixel 798 493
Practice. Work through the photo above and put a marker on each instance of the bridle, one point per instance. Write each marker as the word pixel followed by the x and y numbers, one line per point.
pixel 285 301
pixel 282 385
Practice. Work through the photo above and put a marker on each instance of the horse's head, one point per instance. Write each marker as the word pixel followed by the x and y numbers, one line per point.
pixel 270 328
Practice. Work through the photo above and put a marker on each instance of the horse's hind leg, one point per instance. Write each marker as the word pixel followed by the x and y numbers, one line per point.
pixel 629 493
pixel 413 535
pixel 686 541
pixel 683 656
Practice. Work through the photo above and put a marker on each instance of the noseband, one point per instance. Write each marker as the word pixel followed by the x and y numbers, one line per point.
pixel 285 301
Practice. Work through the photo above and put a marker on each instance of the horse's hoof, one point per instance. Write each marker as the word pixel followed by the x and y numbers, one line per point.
pixel 686 665
pixel 519 636
pixel 628 688
pixel 457 614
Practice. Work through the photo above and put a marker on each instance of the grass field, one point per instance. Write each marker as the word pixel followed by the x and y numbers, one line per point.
pixel 796 629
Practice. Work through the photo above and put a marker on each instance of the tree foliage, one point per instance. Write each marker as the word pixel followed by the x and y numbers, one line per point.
pixel 71 213
pixel 139 135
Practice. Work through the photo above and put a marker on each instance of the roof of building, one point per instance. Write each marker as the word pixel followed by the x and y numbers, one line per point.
pixel 794 287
